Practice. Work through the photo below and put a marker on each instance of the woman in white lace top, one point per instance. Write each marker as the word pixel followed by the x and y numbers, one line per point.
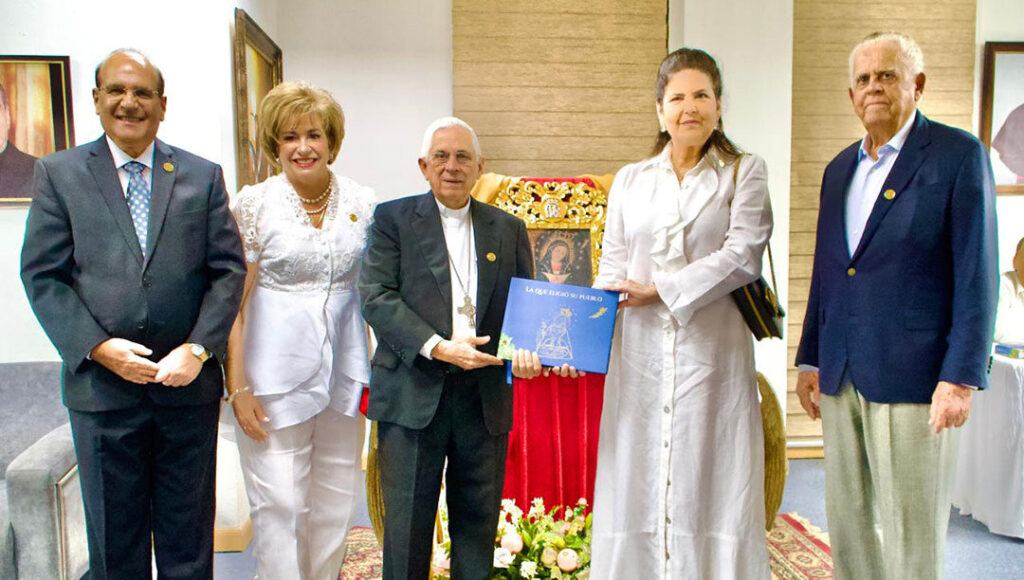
pixel 297 358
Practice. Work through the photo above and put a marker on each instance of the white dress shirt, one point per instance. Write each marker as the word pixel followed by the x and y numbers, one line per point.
pixel 1010 313
pixel 458 237
pixel 121 158
pixel 868 180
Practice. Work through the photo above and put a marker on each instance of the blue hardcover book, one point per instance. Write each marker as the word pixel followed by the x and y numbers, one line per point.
pixel 1007 350
pixel 564 324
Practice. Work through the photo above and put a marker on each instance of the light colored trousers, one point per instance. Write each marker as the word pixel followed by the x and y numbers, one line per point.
pixel 888 485
pixel 301 485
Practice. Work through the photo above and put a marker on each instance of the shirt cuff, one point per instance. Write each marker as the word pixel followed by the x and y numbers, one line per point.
pixel 428 346
pixel 803 368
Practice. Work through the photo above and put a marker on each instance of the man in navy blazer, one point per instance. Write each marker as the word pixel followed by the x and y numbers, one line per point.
pixel 134 268
pixel 899 318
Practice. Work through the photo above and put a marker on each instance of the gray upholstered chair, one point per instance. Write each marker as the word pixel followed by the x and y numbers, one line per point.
pixel 46 534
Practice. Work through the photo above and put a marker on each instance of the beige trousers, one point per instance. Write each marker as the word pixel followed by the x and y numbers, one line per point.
pixel 888 480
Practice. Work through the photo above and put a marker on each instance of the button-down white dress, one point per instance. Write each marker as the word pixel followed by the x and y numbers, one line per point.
pixel 680 472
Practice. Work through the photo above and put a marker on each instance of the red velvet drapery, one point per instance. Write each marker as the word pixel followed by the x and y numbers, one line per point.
pixel 552 449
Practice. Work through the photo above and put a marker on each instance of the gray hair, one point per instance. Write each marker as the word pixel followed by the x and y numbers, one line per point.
pixel 138 53
pixel 445 123
pixel 910 54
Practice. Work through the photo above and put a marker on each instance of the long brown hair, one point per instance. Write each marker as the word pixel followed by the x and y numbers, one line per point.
pixel 696 59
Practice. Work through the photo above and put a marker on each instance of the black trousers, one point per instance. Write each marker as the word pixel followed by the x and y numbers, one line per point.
pixel 148 472
pixel 411 463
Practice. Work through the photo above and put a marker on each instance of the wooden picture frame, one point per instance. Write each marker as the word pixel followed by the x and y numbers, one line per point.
pixel 38 118
pixel 258 68
pixel 1002 113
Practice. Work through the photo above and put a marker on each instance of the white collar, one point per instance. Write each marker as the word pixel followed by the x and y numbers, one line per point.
pixel 896 143
pixel 120 157
pixel 711 160
pixel 453 214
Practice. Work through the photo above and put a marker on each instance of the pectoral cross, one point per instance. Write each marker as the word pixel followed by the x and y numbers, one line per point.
pixel 468 310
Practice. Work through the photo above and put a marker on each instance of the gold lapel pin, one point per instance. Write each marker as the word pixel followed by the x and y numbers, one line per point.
pixel 491 257
pixel 353 217
pixel 168 167
pixel 889 194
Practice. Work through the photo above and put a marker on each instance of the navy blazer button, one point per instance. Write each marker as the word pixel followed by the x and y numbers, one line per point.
pixel 851 272
pixel 142 325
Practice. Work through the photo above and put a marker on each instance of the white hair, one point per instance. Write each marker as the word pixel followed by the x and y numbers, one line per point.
pixel 909 52
pixel 445 123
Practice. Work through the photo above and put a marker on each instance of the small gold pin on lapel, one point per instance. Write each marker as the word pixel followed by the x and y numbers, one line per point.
pixel 353 217
pixel 889 194
pixel 491 257
pixel 168 167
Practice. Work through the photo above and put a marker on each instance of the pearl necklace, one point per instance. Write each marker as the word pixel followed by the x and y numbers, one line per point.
pixel 317 199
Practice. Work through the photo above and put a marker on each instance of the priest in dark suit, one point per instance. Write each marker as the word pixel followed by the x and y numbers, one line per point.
pixel 434 284
pixel 134 268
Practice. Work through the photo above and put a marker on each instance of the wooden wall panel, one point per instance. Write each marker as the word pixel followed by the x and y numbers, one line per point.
pixel 558 87
pixel 824 123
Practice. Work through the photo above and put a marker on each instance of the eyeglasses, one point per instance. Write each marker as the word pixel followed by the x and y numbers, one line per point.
pixel 137 93
pixel 441 158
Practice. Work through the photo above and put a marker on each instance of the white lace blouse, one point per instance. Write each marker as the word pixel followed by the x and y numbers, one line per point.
pixel 304 339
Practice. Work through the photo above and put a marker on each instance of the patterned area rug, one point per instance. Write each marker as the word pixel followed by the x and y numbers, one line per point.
pixel 797 550
pixel 362 556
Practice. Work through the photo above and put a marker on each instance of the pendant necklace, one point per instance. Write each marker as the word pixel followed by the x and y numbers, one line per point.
pixel 467 309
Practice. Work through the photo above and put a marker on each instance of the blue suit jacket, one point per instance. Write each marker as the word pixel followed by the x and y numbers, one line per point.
pixel 915 304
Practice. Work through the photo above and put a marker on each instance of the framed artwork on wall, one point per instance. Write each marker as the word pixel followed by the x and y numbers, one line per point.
pixel 258 68
pixel 1002 113
pixel 35 118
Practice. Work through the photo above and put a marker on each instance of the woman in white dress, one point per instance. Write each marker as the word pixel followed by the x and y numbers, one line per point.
pixel 297 357
pixel 680 469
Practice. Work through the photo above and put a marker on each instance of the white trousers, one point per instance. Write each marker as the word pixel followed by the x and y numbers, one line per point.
pixel 301 484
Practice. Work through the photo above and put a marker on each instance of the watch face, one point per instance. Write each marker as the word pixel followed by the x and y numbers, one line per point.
pixel 198 350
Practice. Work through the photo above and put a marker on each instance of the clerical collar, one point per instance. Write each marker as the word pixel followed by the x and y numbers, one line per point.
pixel 449 213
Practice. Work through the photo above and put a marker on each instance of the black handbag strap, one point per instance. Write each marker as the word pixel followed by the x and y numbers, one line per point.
pixel 735 184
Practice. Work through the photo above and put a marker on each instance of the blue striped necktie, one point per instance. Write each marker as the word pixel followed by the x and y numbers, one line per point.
pixel 138 201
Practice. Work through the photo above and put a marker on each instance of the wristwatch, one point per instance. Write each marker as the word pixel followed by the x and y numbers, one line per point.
pixel 199 351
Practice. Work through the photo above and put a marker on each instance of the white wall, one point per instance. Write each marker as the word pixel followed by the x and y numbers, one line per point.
pixel 753 44
pixel 387 62
pixel 190 40
pixel 1001 20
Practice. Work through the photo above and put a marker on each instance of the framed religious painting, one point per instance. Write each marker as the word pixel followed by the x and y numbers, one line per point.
pixel 565 223
pixel 35 119
pixel 258 68
pixel 1002 113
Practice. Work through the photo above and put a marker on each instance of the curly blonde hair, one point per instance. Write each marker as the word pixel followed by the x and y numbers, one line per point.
pixel 289 102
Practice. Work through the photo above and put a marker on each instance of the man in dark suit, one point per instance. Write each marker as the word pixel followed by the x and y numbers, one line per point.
pixel 899 318
pixel 134 268
pixel 15 165
pixel 434 283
